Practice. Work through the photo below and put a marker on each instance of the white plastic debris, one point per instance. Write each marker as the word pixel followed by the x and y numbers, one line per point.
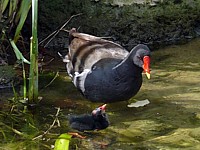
pixel 139 103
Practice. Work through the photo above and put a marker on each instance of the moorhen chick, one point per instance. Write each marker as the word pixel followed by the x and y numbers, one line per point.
pixel 97 120
pixel 104 71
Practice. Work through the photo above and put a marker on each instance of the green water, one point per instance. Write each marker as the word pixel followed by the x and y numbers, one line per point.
pixel 170 122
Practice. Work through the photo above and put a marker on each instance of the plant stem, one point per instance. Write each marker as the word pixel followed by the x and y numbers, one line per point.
pixel 24 79
pixel 33 76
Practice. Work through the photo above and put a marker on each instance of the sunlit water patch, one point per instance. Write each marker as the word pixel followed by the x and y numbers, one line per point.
pixel 169 122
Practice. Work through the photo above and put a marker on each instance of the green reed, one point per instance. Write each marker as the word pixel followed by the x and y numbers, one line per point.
pixel 33 72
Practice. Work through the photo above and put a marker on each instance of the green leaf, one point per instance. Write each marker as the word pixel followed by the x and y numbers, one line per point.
pixel 4 4
pixel 18 53
pixel 62 143
pixel 12 7
pixel 22 15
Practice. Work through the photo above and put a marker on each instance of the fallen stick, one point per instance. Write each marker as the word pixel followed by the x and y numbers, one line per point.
pixel 51 126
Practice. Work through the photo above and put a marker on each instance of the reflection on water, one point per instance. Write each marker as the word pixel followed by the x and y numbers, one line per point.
pixel 171 121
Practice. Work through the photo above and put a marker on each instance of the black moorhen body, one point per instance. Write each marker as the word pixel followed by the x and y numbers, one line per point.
pixel 97 120
pixel 104 71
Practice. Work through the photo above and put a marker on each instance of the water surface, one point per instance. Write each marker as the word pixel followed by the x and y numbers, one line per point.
pixel 170 122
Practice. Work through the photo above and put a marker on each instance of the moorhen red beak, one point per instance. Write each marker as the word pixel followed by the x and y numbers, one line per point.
pixel 146 66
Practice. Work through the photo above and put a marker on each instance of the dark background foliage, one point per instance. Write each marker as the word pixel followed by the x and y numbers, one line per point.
pixel 165 23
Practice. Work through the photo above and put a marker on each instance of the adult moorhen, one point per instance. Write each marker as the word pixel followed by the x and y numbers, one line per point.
pixel 97 120
pixel 104 71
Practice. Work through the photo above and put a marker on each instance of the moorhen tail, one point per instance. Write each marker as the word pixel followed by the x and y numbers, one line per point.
pixel 104 71
pixel 97 120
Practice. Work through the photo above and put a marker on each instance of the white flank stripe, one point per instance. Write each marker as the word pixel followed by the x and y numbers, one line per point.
pixel 81 77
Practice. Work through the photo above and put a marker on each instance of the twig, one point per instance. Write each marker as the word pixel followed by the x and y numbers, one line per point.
pixel 51 126
pixel 65 30
pixel 17 132
pixel 57 74
pixel 14 130
pixel 74 134
pixel 101 37
pixel 53 34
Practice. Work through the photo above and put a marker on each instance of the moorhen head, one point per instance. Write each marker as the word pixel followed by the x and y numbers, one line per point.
pixel 97 120
pixel 104 71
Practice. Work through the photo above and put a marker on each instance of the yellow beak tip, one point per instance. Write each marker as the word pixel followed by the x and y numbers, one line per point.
pixel 148 75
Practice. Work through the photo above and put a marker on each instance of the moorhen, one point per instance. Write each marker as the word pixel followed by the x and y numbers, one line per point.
pixel 97 120
pixel 104 71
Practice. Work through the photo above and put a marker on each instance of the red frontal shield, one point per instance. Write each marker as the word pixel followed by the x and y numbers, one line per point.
pixel 146 66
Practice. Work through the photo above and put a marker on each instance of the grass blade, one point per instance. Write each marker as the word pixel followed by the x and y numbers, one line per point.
pixel 12 7
pixel 24 9
pixel 18 53
pixel 4 4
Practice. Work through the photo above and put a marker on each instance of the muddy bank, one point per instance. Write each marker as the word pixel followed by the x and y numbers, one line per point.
pixel 164 23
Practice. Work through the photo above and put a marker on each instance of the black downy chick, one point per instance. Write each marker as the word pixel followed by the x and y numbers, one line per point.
pixel 97 120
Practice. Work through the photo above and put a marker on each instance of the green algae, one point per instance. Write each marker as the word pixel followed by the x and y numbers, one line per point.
pixel 170 122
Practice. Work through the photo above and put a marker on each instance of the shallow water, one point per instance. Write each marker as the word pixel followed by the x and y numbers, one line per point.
pixel 171 121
